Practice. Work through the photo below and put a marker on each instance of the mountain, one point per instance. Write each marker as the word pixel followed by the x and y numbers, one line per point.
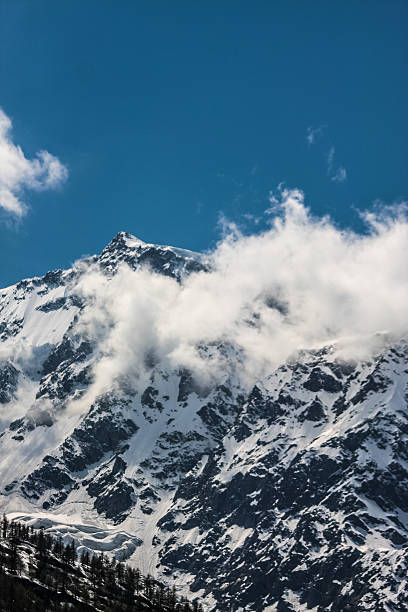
pixel 288 492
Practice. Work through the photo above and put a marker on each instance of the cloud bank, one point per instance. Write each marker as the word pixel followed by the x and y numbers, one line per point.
pixel 301 284
pixel 18 174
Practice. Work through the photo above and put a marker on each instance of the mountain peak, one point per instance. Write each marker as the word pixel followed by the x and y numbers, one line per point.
pixel 125 238
pixel 163 259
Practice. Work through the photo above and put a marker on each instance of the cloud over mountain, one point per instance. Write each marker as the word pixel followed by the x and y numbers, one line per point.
pixel 300 284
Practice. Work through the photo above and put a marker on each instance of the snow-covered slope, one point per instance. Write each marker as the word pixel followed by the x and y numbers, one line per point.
pixel 288 494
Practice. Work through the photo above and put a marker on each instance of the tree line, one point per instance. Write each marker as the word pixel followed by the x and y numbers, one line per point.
pixel 39 572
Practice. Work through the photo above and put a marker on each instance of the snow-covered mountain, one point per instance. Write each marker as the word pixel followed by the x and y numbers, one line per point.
pixel 289 493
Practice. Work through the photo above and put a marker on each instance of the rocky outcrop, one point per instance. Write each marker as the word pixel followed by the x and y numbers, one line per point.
pixel 8 382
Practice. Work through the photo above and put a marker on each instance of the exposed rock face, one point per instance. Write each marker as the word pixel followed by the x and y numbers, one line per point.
pixel 8 382
pixel 289 496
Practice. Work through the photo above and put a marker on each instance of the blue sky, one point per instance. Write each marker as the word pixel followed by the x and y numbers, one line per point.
pixel 168 115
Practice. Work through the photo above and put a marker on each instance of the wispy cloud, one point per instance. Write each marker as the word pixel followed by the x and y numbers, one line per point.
pixel 340 176
pixel 330 159
pixel 19 174
pixel 337 174
pixel 312 133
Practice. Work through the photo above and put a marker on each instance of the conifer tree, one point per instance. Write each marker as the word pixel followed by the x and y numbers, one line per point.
pixel 4 526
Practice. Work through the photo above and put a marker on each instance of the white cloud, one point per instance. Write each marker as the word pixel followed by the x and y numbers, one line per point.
pixel 18 173
pixel 330 159
pixel 312 133
pixel 340 176
pixel 337 175
pixel 303 283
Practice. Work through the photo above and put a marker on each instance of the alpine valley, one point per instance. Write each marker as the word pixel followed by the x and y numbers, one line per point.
pixel 287 494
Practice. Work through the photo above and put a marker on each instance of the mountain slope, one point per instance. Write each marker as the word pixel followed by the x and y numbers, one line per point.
pixel 39 572
pixel 287 492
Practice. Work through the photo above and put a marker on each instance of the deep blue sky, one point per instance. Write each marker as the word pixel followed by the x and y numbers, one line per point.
pixel 167 113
